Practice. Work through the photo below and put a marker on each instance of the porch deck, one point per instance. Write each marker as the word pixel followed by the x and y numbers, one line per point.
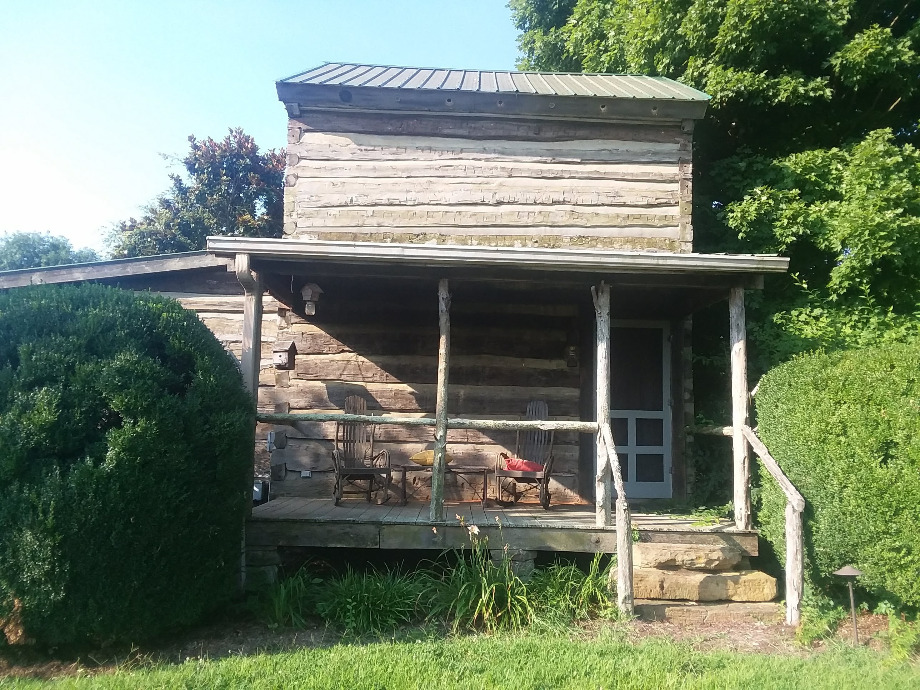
pixel 316 522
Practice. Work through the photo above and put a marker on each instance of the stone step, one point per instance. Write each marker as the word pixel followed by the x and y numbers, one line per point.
pixel 694 585
pixel 709 612
pixel 671 556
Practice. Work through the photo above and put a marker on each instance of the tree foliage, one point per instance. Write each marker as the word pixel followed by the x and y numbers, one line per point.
pixel 34 249
pixel 230 188
pixel 808 147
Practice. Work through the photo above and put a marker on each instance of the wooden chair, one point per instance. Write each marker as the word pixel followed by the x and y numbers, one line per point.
pixel 353 458
pixel 536 446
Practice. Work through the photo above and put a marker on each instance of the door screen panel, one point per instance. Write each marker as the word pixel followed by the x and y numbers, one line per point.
pixel 640 415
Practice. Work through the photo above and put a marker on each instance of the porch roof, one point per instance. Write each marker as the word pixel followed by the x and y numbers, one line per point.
pixel 527 259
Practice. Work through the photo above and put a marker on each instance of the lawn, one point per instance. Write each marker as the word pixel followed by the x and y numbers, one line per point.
pixel 520 662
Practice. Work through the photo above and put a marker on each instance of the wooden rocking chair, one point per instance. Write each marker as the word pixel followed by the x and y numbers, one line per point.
pixel 533 445
pixel 353 458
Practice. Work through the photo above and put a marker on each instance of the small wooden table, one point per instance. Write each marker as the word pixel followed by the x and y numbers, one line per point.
pixel 403 471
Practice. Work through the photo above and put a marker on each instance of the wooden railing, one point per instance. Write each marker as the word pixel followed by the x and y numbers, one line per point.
pixel 604 439
pixel 795 504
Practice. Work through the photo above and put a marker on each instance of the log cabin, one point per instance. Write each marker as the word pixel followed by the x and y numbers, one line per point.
pixel 457 244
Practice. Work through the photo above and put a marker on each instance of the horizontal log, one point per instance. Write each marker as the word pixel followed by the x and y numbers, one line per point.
pixel 419 434
pixel 418 369
pixel 401 311
pixel 664 239
pixel 472 217
pixel 320 193
pixel 792 494
pixel 400 397
pixel 452 423
pixel 352 146
pixel 317 455
pixel 477 169
pixel 532 344
pixel 424 125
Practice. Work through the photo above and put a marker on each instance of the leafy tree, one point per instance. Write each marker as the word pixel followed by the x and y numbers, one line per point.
pixel 33 249
pixel 808 147
pixel 230 188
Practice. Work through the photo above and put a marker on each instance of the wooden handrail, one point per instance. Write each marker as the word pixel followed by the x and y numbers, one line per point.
pixel 452 423
pixel 792 494
pixel 795 543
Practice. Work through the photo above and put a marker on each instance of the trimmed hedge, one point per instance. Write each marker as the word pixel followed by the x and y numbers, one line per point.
pixel 126 443
pixel 845 428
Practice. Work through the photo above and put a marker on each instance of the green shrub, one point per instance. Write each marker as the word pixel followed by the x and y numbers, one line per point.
pixel 845 428
pixel 125 451
pixel 375 601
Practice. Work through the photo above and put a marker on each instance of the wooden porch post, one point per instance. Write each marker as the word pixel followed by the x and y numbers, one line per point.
pixel 741 460
pixel 436 513
pixel 252 324
pixel 249 364
pixel 602 498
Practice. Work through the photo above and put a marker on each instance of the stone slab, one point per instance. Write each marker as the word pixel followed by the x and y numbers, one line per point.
pixel 672 556
pixel 691 585
pixel 712 613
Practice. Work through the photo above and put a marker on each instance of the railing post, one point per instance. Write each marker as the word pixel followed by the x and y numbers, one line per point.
pixel 602 498
pixel 741 462
pixel 436 512
pixel 795 566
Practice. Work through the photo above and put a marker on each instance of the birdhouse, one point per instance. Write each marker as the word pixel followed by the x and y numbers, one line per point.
pixel 283 354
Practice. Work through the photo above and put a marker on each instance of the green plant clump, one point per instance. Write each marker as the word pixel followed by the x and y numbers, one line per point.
pixel 125 450
pixel 845 428
pixel 376 601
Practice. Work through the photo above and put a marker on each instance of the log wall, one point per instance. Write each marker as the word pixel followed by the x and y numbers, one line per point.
pixel 475 180
pixel 347 349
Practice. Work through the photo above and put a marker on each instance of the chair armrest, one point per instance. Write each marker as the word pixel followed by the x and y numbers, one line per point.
pixel 375 460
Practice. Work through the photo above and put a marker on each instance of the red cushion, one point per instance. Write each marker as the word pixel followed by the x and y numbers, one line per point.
pixel 519 465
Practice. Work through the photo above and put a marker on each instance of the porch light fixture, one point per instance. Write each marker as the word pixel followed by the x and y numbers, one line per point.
pixel 310 293
pixel 851 573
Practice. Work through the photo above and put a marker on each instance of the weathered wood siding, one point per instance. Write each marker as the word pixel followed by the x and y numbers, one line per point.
pixel 508 182
pixel 502 356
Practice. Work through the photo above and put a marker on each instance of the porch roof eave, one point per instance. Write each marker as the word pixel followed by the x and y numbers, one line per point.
pixel 557 260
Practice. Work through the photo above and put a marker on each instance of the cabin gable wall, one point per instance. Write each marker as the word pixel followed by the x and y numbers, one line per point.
pixel 481 180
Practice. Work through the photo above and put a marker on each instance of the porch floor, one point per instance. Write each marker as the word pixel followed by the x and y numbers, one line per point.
pixel 295 521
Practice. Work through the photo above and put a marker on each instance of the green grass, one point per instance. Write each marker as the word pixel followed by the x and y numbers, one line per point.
pixel 521 662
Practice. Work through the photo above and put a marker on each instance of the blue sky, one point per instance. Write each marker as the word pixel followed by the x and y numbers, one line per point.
pixel 93 91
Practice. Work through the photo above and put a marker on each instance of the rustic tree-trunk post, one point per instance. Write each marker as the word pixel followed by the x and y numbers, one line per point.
pixel 440 431
pixel 795 565
pixel 250 360
pixel 252 324
pixel 602 512
pixel 741 461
